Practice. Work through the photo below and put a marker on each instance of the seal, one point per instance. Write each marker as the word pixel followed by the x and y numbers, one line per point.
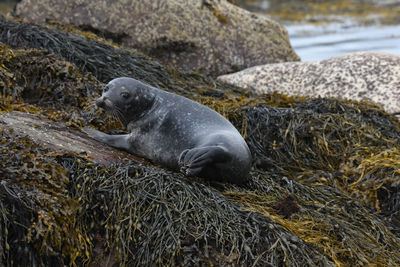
pixel 174 131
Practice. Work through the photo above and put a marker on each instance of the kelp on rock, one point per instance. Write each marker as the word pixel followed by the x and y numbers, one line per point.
pixel 323 190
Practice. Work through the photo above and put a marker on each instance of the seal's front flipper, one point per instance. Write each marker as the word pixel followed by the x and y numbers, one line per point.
pixel 117 141
pixel 193 161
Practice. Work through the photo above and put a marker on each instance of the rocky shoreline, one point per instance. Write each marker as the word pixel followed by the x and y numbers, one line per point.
pixel 323 189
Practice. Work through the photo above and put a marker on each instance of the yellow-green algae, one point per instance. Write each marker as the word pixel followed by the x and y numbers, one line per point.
pixel 337 158
pixel 327 11
pixel 38 218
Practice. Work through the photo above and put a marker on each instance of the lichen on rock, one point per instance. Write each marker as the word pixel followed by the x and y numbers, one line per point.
pixel 371 76
pixel 212 37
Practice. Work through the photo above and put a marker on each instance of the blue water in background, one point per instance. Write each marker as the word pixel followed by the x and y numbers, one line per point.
pixel 317 42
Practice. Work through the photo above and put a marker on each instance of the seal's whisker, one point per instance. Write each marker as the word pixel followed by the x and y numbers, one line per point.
pixel 118 114
pixel 114 114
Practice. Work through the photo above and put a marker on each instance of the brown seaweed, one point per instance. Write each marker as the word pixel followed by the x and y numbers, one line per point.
pixel 337 158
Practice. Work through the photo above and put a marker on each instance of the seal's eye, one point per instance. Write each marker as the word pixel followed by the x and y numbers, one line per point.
pixel 105 89
pixel 125 94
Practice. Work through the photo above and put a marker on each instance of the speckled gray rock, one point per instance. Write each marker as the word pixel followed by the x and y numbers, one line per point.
pixel 210 36
pixel 359 76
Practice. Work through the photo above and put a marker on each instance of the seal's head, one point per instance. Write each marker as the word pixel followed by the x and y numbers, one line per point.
pixel 127 99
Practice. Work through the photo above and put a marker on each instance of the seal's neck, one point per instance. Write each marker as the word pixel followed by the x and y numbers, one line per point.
pixel 152 105
pixel 145 106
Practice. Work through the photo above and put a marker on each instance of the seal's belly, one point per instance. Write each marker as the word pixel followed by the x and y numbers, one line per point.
pixel 159 147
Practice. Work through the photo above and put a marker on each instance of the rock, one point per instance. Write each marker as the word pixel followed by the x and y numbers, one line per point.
pixel 58 137
pixel 213 37
pixel 359 76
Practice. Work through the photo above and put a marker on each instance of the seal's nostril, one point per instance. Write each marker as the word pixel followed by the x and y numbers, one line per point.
pixel 100 102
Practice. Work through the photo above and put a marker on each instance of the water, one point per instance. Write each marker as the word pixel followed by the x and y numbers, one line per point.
pixel 321 42
pixel 334 33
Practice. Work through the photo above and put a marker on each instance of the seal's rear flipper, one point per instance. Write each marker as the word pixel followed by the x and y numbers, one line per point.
pixel 193 161
pixel 119 141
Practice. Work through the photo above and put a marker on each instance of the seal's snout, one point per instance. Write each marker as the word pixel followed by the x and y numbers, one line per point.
pixel 100 102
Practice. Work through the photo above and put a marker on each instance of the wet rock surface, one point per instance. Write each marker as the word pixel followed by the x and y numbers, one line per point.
pixel 58 137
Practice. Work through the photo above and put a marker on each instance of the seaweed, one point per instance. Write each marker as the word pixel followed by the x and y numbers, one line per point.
pixel 324 188
pixel 171 220
pixel 321 12
pixel 34 78
pixel 103 61
pixel 37 216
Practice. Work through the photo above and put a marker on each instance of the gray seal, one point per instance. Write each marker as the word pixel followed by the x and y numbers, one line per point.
pixel 174 131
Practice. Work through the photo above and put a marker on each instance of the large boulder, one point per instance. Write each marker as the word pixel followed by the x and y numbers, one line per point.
pixel 359 76
pixel 213 37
